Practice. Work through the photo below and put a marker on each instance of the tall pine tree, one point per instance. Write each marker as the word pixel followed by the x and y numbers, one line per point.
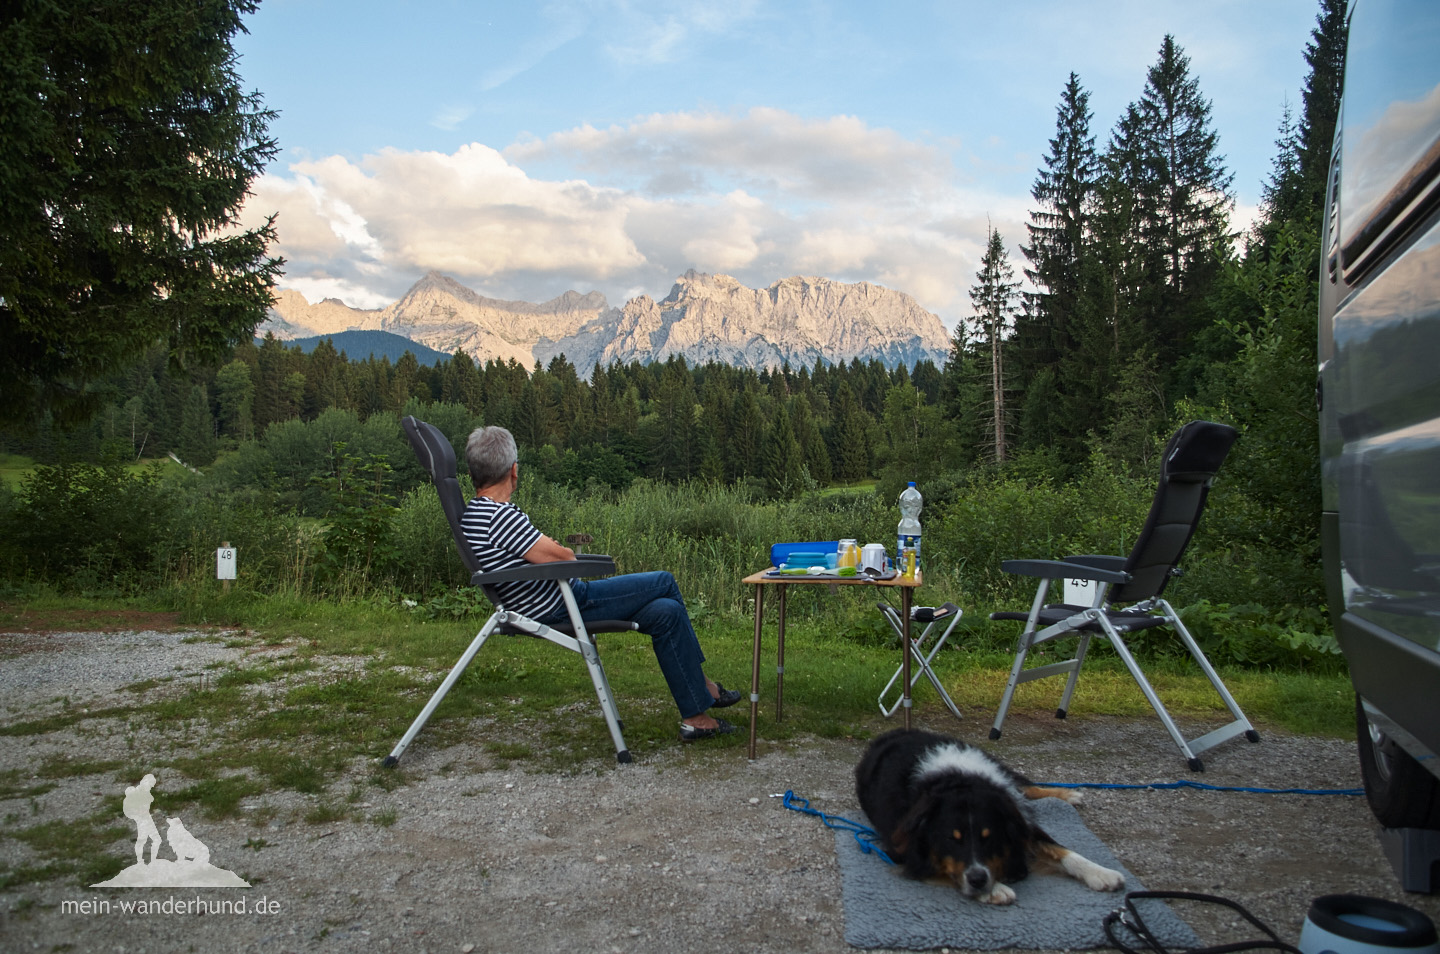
pixel 1165 209
pixel 1064 188
pixel 1052 325
pixel 993 298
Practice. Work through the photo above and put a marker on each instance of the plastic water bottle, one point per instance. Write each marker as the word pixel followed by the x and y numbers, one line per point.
pixel 908 532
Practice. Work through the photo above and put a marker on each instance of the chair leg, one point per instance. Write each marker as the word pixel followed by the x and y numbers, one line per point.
pixel 924 664
pixel 1113 635
pixel 1016 668
pixel 893 619
pixel 922 667
pixel 1199 656
pixel 1081 648
pixel 455 672
pixel 597 674
pixel 1191 748
pixel 1022 649
pixel 922 661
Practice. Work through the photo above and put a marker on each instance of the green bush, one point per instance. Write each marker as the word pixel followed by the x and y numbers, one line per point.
pixel 364 532
pixel 86 527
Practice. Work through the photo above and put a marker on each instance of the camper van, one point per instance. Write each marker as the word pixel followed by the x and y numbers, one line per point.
pixel 1379 400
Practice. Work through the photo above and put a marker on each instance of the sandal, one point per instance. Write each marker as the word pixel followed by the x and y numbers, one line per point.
pixel 727 697
pixel 690 733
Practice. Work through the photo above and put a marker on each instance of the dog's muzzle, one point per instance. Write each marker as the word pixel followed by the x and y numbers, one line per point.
pixel 978 880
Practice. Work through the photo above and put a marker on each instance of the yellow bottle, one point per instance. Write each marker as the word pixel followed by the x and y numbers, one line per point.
pixel 907 563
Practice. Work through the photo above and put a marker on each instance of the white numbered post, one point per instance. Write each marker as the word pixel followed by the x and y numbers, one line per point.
pixel 225 564
pixel 1080 592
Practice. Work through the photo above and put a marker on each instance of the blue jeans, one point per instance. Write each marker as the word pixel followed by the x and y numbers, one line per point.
pixel 654 602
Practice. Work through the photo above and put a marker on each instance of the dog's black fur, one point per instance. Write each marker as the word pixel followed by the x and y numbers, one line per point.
pixel 945 809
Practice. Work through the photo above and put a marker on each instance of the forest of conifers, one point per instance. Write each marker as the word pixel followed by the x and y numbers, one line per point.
pixel 1143 307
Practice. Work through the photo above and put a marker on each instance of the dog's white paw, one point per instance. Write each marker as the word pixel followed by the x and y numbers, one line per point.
pixel 999 894
pixel 1073 796
pixel 1093 876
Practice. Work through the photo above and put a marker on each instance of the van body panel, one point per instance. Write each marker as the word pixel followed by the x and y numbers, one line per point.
pixel 1379 373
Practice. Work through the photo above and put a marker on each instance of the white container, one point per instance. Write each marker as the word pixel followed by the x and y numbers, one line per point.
pixel 1354 924
pixel 872 557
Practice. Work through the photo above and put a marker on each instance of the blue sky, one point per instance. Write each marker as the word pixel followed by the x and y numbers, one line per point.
pixel 527 149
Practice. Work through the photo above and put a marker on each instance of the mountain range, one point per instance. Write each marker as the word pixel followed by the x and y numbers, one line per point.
pixel 798 320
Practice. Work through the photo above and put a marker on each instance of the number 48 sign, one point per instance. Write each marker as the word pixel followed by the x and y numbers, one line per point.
pixel 225 562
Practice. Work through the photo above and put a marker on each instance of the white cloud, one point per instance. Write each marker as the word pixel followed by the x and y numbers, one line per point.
pixel 449 117
pixel 661 30
pixel 759 196
pixel 766 150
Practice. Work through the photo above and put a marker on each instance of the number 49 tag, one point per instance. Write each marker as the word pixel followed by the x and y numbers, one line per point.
pixel 1079 592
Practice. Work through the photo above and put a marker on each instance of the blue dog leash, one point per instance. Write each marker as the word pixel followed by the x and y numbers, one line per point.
pixel 1186 783
pixel 866 838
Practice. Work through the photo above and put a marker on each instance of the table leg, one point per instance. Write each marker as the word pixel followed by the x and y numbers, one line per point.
pixel 780 657
pixel 905 593
pixel 755 666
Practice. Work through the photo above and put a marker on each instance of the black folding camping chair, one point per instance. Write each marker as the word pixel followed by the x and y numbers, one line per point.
pixel 437 456
pixel 1127 590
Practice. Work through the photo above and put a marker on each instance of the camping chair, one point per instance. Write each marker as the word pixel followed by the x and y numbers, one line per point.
pixel 932 617
pixel 1189 463
pixel 438 458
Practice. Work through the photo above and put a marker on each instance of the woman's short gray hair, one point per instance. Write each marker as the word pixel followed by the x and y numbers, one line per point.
pixel 489 453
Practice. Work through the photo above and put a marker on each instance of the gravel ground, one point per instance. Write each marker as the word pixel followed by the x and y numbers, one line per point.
pixel 685 848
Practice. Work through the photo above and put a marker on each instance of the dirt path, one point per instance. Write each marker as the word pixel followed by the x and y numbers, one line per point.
pixel 685 849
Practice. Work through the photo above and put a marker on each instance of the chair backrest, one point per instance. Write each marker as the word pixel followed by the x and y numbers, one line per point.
pixel 1192 456
pixel 438 458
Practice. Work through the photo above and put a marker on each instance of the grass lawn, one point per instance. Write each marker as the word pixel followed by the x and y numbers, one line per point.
pixel 12 468
pixel 831 685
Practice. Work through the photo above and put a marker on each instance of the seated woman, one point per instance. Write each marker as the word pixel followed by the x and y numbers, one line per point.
pixel 502 536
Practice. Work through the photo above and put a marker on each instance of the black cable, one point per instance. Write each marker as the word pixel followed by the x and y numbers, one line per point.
pixel 1129 918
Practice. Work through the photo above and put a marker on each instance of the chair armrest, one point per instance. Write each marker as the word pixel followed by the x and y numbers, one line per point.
pixel 583 566
pixel 1063 569
pixel 1116 563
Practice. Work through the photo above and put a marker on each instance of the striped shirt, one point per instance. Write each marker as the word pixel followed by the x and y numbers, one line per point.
pixel 499 535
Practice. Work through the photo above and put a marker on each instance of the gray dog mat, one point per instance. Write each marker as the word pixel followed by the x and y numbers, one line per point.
pixel 883 908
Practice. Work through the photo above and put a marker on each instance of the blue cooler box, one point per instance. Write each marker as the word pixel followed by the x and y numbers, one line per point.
pixel 828 552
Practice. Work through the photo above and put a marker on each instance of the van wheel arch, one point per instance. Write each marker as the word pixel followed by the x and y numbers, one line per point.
pixel 1402 794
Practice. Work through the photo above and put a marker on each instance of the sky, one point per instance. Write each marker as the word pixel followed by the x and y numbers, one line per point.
pixel 531 148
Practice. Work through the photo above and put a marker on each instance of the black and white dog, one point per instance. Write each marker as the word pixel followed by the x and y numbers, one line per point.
pixel 945 809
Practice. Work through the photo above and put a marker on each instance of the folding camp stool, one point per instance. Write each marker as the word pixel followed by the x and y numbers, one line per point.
pixel 931 616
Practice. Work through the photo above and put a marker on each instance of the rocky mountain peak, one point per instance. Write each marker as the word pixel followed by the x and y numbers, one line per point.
pixel 800 320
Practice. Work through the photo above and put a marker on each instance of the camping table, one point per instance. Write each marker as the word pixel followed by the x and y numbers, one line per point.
pixel 783 583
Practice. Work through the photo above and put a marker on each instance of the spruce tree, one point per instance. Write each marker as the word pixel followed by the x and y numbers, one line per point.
pixel 784 461
pixel 1164 210
pixel 127 148
pixel 993 298
pixel 1064 189
pixel 1295 191
pixel 236 395
pixel 673 451
pixel 1325 55
pixel 197 446
pixel 849 440
pixel 747 434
